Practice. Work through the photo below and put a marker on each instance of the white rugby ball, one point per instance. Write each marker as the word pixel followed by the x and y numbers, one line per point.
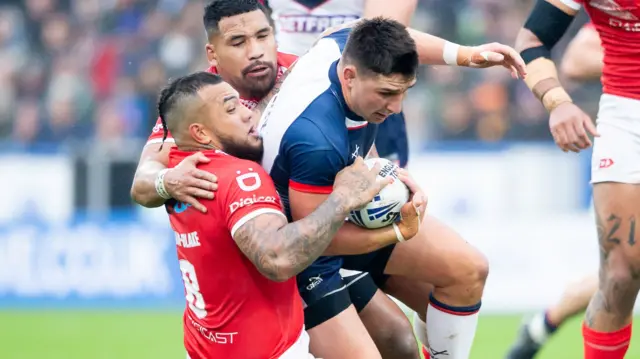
pixel 384 209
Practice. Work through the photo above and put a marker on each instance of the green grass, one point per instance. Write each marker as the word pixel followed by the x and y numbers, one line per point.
pixel 129 334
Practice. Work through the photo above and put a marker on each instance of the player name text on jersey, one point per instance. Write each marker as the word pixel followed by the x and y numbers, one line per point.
pixel 187 240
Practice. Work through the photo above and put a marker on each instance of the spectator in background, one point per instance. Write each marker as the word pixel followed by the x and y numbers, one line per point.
pixel 92 69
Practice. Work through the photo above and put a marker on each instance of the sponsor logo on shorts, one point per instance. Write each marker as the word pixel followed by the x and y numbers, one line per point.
pixel 314 282
pixel 606 163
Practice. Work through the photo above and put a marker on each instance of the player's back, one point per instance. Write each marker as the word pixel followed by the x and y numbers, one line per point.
pixel 618 24
pixel 233 311
pixel 299 23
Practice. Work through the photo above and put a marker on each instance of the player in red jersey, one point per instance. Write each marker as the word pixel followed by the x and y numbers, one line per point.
pixel 615 164
pixel 245 56
pixel 239 260
pixel 582 61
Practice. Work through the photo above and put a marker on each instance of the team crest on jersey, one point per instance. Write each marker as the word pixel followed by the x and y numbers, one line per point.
pixel 248 181
pixel 613 8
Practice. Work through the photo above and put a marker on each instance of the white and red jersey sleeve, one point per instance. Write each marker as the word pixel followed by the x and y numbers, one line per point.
pixel 157 134
pixel 250 192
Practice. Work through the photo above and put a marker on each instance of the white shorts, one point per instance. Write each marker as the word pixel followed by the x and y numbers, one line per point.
pixel 299 349
pixel 616 153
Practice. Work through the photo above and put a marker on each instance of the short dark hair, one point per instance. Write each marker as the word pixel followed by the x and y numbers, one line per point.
pixel 178 90
pixel 219 9
pixel 382 46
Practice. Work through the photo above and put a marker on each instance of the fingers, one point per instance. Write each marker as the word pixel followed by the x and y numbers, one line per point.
pixel 591 128
pixel 583 141
pixel 376 168
pixel 514 58
pixel 560 138
pixel 202 184
pixel 209 177
pixel 492 56
pixel 408 181
pixel 419 203
pixel 196 158
pixel 200 193
pixel 194 203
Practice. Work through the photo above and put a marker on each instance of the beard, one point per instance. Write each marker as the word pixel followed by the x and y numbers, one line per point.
pixel 244 150
pixel 259 87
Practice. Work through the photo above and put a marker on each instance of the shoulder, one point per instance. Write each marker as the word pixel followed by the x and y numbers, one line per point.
pixel 286 59
pixel 339 35
pixel 233 170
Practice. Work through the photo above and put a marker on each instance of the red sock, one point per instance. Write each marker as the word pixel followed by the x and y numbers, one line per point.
pixel 599 345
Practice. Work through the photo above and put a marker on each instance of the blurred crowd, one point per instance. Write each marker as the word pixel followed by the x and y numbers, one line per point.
pixel 77 70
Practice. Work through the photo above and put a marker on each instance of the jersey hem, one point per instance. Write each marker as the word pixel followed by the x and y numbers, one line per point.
pixel 308 188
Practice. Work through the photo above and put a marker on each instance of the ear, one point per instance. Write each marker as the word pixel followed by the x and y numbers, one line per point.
pixel 349 73
pixel 199 134
pixel 212 57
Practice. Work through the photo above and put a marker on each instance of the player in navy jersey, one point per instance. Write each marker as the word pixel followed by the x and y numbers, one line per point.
pixel 325 115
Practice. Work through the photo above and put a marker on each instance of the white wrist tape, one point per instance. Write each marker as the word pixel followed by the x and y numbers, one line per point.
pixel 450 53
pixel 162 192
pixel 399 235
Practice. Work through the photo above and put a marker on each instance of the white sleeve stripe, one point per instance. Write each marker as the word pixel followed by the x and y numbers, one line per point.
pixel 572 4
pixel 252 215
pixel 159 140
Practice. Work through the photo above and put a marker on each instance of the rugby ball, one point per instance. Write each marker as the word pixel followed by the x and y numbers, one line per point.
pixel 384 209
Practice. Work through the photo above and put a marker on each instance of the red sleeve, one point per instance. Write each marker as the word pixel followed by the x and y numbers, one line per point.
pixel 157 134
pixel 249 192
pixel 285 59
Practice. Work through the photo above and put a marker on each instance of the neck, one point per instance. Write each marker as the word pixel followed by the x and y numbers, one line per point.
pixel 343 87
pixel 190 147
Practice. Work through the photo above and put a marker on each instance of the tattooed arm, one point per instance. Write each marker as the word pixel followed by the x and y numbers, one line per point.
pixel 280 250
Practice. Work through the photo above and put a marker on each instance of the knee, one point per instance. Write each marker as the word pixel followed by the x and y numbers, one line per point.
pixel 473 269
pixel 399 341
pixel 468 277
pixel 621 273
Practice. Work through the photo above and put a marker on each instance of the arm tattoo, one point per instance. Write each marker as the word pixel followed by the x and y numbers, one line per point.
pixel 280 250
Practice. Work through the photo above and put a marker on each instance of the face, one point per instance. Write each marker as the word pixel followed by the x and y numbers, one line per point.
pixel 226 124
pixel 245 53
pixel 375 97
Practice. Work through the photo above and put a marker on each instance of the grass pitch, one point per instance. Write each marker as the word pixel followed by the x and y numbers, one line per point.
pixel 158 335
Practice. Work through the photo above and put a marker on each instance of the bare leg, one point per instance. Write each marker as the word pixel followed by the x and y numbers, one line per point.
pixel 343 336
pixel 608 318
pixel 390 328
pixel 458 271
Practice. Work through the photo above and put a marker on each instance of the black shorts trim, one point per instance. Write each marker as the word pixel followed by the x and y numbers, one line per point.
pixel 326 308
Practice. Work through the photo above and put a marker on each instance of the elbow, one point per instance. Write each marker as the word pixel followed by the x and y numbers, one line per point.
pixel 136 195
pixel 139 196
pixel 574 70
pixel 526 40
pixel 278 269
pixel 570 71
